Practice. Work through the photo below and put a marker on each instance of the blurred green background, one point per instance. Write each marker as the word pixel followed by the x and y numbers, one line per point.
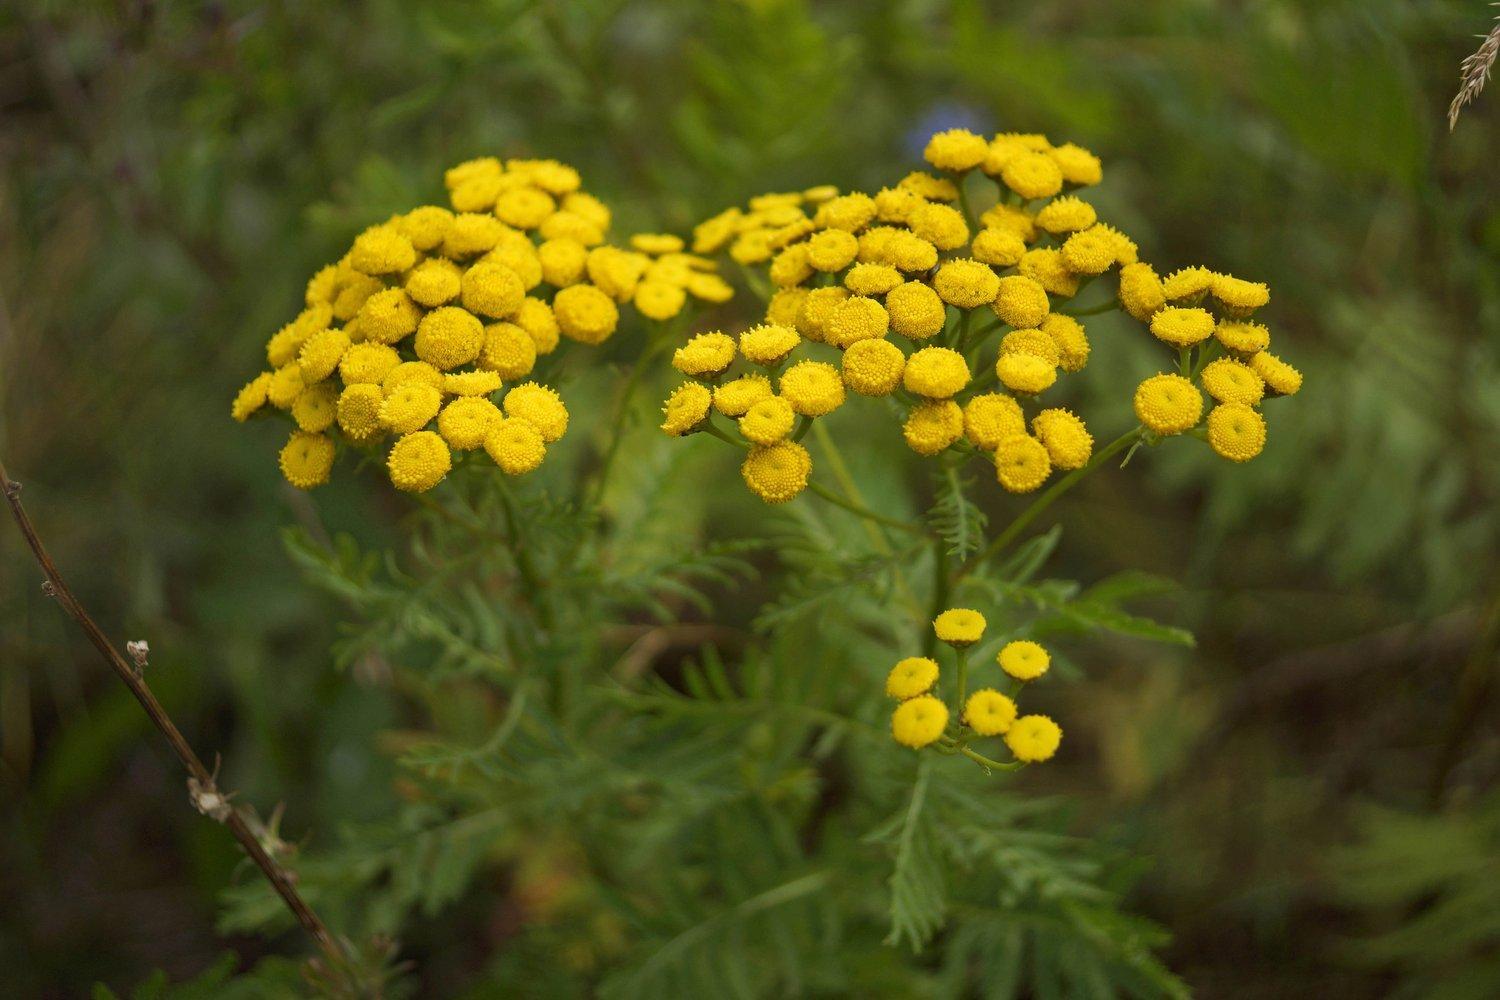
pixel 1316 784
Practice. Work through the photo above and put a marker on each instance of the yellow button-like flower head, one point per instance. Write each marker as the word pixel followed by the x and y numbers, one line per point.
pixel 1066 215
pixel 1025 373
pixel 735 397
pixel 359 410
pixel 910 677
pixel 1021 301
pixel 541 407
pixel 390 315
pixel 321 354
pixel 466 421
pixel 854 319
pixel 1033 738
pixel 471 383
pixel 1021 463
pixel 448 337
pixel 989 713
pixel 873 367
pixel 832 250
pixel 705 355
pixel 959 627
pixel 251 398
pixel 872 279
pixel 1077 164
pixel 410 406
pixel 686 408
pixel 1023 659
pixel 1034 342
pixel 768 344
pixel 956 150
pixel 767 421
pixel 1182 327
pixel 813 388
pixel 990 418
pixel 1236 431
pixel 918 722
pixel 1065 437
pixel 418 462
pixel 776 473
pixel 936 372
pixel 1070 339
pixel 383 249
pixel 516 446
pixel 315 408
pixel 933 426
pixel 658 300
pixel 307 459
pixel 1091 251
pixel 1032 175
pixel 585 314
pixel 941 225
pixel 1141 291
pixel 492 290
pixel 966 284
pixel 1280 377
pixel 431 283
pixel 1000 247
pixel 915 310
pixel 1243 338
pixel 1239 297
pixel 1168 404
pixel 1230 381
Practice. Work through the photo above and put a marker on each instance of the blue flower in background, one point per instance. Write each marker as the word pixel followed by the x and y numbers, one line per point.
pixel 944 115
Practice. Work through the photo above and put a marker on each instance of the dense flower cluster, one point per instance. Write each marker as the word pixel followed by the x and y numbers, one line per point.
pixel 923 718
pixel 428 329
pixel 965 321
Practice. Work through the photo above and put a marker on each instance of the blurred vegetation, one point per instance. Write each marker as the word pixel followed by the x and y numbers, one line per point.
pixel 1315 783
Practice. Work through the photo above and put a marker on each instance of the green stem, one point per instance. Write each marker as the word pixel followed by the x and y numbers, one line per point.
pixel 1095 310
pixel 963 677
pixel 963 202
pixel 988 764
pixel 940 591
pixel 1045 500
pixel 651 349
pixel 712 430
pixel 869 515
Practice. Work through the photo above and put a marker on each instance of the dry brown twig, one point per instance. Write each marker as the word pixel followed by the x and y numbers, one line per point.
pixel 203 789
pixel 1474 72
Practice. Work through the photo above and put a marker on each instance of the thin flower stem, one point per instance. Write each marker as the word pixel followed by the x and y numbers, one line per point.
pixel 201 781
pixel 988 764
pixel 941 584
pixel 652 348
pixel 869 515
pixel 1045 500
pixel 713 430
pixel 1094 310
pixel 963 677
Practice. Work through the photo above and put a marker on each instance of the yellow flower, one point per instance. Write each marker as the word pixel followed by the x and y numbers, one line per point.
pixel 707 354
pixel 988 712
pixel 572 224
pixel 928 187
pixel 854 319
pixel 656 244
pixel 418 462
pixel 285 386
pixel 658 300
pixel 616 272
pixel 990 418
pixel 1021 463
pixel 915 310
pixel 516 446
pixel 711 235
pixel 767 420
pixel 468 170
pixel 1023 659
pixel 813 388
pixel 284 344
pixel 768 344
pixel 585 314
pixel 471 234
pixel 872 279
pixel 1187 283
pixel 819 194
pixel 817 311
pixel 791 267
pixel 735 397
pixel 1047 268
pixel 321 354
pixel 431 283
pixel 896 204
pixel 586 208
pixel 1021 301
pixel 936 372
pixel 1025 373
pixel 1126 252
pixel 1010 219
pixel 1034 342
pixel 492 290
pixel 909 252
pixel 1236 431
pixel 564 262
pixel 389 316
pixel 832 250
pixel 383 249
pixel 966 284
pixel 851 212
pixel 1032 175
pixel 426 226
pixel 359 410
pixel 1230 381
pixel 536 318
pixel 910 677
pixel 933 426
pixel 686 408
pixel 776 473
pixel 411 371
pixel 472 383
pixel 1066 215
pixel 307 459
pixel 1243 338
pixel 1033 738
pixel 941 225
pixel 477 194
pixel 466 421
pixel 541 407
pixel 873 367
pixel 1141 291
pixel 353 294
pixel 1182 327
pixel 549 175
pixel 919 721
pixel 1065 437
pixel 524 208
pixel 1091 251
pixel 785 305
pixel 785 236
pixel 250 398
pixel 315 408
pixel 959 627
pixel 1077 164
pixel 1238 296
pixel 1000 247
pixel 1007 145
pixel 752 248
pixel 956 150
pixel 448 337
pixel 410 406
pixel 1070 339
pixel 1280 377
pixel 508 351
pixel 1168 404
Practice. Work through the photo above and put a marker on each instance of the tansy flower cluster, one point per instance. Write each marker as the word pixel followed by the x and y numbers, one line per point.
pixel 425 333
pixel 962 321
pixel 923 717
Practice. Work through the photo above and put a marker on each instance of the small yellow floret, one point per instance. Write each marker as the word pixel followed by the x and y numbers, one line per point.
pixel 777 473
pixel 1071 341
pixel 448 337
pixel 1091 251
pixel 516 446
pixel 933 426
pixel 989 713
pixel 1187 283
pixel 250 398
pixel 541 407
pixel 1077 164
pixel 1032 175
pixel 658 300
pixel 941 225
pixel 1023 659
pixel 873 367
pixel 1000 247
pixel 466 421
pixel 1067 440
pixel 966 284
pixel 1182 327
pixel 936 372
pixel 990 418
pixel 410 406
pixel 813 388
pixel 359 410
pixel 411 371
pixel 307 459
pixel 585 314
pixel 1230 381
pixel 1168 404
pixel 383 249
pixel 919 721
pixel 768 344
pixel 418 462
pixel 1025 373
pixel 315 408
pixel 915 310
pixel 524 207
pixel 854 319
pixel 1242 338
pixel 1033 738
pixel 767 420
pixel 1280 377
pixel 735 397
pixel 832 250
pixel 707 354
pixel 872 279
pixel 910 677
pixel 433 283
pixel 1066 215
pixel 1141 291
pixel 956 150
pixel 1021 463
pixel 1236 431
pixel 1021 301
pixel 959 627
pixel 1033 342
pixel 851 212
pixel 686 408
pixel 1239 297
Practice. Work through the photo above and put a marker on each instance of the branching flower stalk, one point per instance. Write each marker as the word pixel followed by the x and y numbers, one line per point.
pixel 203 786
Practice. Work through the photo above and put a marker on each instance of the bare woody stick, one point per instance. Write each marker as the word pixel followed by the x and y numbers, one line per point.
pixel 202 788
